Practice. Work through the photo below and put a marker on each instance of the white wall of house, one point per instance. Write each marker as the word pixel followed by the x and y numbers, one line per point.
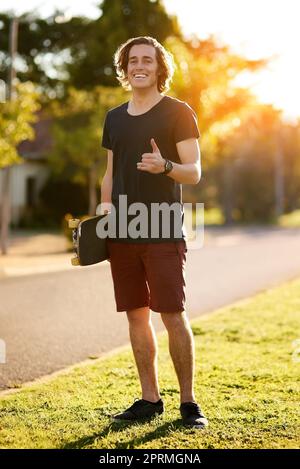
pixel 27 179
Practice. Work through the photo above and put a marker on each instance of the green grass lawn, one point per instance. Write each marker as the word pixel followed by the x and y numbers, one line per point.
pixel 214 216
pixel 247 382
pixel 290 220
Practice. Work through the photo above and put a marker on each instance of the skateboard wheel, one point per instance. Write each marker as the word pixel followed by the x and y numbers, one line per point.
pixel 75 261
pixel 74 222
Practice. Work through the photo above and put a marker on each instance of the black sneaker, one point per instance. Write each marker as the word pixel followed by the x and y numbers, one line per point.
pixel 140 410
pixel 192 415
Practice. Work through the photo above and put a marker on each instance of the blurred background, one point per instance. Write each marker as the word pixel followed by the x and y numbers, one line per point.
pixel 236 67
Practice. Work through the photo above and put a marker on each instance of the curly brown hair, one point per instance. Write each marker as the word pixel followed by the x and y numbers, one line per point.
pixel 166 65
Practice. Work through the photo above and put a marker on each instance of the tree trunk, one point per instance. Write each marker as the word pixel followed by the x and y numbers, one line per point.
pixel 92 190
pixel 279 178
pixel 228 193
pixel 5 209
pixel 6 174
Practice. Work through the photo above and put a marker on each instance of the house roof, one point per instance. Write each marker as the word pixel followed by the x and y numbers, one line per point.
pixel 38 148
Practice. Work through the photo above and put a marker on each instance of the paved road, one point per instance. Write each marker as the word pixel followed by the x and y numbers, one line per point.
pixel 52 320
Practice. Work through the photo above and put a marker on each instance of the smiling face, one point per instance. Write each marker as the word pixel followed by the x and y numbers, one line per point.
pixel 142 66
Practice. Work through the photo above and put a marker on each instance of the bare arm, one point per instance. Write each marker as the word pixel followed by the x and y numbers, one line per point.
pixel 106 185
pixel 189 172
pixel 186 172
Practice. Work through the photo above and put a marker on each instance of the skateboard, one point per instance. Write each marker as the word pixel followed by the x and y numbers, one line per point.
pixel 88 247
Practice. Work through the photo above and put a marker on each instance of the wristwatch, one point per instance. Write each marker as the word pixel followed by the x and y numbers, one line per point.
pixel 168 166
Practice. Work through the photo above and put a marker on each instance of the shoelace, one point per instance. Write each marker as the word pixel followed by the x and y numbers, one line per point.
pixel 137 404
pixel 195 407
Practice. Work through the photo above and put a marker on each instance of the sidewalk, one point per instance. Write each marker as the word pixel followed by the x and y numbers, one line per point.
pixel 32 252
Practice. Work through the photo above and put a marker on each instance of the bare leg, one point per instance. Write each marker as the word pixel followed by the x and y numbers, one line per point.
pixel 144 346
pixel 181 347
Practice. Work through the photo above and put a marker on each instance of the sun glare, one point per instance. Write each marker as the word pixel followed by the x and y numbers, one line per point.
pixel 255 29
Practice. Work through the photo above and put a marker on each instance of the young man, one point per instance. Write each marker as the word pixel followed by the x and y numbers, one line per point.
pixel 152 149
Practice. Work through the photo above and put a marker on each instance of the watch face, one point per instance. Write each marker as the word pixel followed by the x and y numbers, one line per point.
pixel 168 166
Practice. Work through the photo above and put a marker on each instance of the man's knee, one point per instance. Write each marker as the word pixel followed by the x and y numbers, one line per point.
pixel 175 319
pixel 139 316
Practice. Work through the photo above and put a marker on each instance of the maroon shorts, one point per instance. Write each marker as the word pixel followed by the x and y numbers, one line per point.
pixel 148 274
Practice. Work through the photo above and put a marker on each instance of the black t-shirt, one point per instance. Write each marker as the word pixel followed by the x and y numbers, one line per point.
pixel 169 121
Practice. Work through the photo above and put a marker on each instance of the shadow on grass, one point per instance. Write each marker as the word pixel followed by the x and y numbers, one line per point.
pixel 159 432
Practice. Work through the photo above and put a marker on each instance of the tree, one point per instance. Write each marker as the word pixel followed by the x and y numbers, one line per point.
pixel 16 116
pixel 77 155
pixel 249 193
pixel 79 52
pixel 205 78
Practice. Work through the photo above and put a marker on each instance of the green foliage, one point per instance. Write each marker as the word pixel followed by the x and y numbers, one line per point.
pixel 290 220
pixel 77 133
pixel 238 135
pixel 15 119
pixel 246 170
pixel 85 47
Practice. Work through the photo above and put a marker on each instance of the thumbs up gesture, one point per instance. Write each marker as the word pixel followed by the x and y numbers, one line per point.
pixel 152 162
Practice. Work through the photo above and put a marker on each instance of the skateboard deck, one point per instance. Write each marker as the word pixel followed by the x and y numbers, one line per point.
pixel 88 247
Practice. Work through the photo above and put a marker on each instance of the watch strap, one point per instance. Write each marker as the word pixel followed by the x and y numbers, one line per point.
pixel 168 166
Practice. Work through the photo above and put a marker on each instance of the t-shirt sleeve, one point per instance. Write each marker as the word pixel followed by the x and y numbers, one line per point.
pixel 106 142
pixel 186 124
